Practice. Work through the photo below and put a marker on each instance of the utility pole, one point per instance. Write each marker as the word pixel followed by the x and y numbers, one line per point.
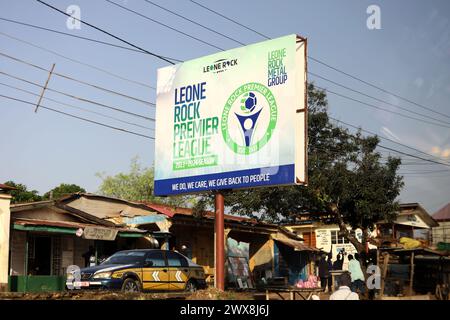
pixel 219 276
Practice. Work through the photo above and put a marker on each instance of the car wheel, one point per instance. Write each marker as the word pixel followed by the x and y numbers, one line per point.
pixel 131 285
pixel 191 286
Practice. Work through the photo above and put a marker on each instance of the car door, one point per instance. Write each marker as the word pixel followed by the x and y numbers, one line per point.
pixel 155 272
pixel 178 270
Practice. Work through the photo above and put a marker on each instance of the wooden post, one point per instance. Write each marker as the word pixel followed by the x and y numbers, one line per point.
pixel 45 87
pixel 383 278
pixel 220 242
pixel 411 276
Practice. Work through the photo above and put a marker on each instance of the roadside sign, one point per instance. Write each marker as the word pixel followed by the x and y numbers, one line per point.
pixel 96 233
pixel 234 119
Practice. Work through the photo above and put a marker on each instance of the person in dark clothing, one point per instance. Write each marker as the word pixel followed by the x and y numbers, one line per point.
pixel 87 256
pixel 337 265
pixel 324 273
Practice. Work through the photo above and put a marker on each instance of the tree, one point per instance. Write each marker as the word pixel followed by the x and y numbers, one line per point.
pixel 136 185
pixel 22 194
pixel 63 190
pixel 348 184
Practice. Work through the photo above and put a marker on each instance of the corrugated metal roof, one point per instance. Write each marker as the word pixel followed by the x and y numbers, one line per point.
pixel 67 224
pixel 442 214
pixel 6 187
pixel 171 211
pixel 296 245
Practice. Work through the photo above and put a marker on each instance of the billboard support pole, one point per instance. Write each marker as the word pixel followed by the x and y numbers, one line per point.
pixel 219 268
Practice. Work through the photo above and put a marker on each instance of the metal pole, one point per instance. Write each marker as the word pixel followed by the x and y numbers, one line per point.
pixel 220 242
pixel 25 267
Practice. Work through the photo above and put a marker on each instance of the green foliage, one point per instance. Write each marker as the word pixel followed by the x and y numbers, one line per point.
pixel 136 185
pixel 22 194
pixel 63 190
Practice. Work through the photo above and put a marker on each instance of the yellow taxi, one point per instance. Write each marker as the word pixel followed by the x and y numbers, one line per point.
pixel 144 270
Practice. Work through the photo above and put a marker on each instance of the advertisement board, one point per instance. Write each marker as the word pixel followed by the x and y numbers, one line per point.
pixel 234 119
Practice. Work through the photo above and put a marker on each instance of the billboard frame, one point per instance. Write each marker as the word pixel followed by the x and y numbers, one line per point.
pixel 305 109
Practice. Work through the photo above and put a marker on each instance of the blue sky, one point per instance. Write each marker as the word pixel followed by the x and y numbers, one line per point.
pixel 409 55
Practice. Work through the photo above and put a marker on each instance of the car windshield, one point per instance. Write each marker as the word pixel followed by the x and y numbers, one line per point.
pixel 133 257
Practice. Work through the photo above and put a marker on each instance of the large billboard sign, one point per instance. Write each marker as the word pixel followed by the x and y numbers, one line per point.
pixel 234 119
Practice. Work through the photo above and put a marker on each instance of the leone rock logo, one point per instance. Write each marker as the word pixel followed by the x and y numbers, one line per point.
pixel 249 118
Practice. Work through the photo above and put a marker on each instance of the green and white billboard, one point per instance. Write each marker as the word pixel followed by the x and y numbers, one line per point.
pixel 234 119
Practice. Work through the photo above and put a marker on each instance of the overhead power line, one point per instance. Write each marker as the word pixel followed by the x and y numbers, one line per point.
pixel 77 80
pixel 80 37
pixel 195 22
pixel 76 107
pixel 413 156
pixel 424 171
pixel 377 99
pixel 229 19
pixel 382 109
pixel 77 117
pixel 384 138
pixel 78 98
pixel 316 75
pixel 326 64
pixel 77 61
pixel 107 33
pixel 163 24
pixel 379 88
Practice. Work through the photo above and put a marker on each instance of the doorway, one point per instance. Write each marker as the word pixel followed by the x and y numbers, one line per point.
pixel 39 255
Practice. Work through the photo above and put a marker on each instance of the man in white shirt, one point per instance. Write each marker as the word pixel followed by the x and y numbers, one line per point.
pixel 344 292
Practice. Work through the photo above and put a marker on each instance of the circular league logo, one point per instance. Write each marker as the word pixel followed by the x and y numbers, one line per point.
pixel 249 118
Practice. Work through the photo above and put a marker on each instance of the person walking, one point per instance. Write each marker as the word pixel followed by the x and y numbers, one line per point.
pixel 324 273
pixel 357 276
pixel 344 292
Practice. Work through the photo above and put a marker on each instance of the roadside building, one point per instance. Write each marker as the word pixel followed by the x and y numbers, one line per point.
pixel 441 233
pixel 5 200
pixel 326 237
pixel 413 221
pixel 48 236
pixel 272 251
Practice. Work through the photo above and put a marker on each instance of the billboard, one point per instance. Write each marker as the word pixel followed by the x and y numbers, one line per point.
pixel 234 119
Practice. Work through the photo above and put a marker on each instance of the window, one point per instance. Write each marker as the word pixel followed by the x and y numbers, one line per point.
pixel 176 260
pixel 336 238
pixel 157 258
pixel 125 257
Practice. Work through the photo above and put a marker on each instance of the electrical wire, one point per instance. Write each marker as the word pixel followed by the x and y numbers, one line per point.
pixel 77 117
pixel 76 97
pixel 107 33
pixel 387 139
pixel 195 22
pixel 76 107
pixel 382 109
pixel 78 61
pixel 77 80
pixel 326 64
pixel 163 24
pixel 80 37
pixel 376 99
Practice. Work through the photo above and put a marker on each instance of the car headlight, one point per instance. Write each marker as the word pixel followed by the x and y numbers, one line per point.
pixel 102 275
